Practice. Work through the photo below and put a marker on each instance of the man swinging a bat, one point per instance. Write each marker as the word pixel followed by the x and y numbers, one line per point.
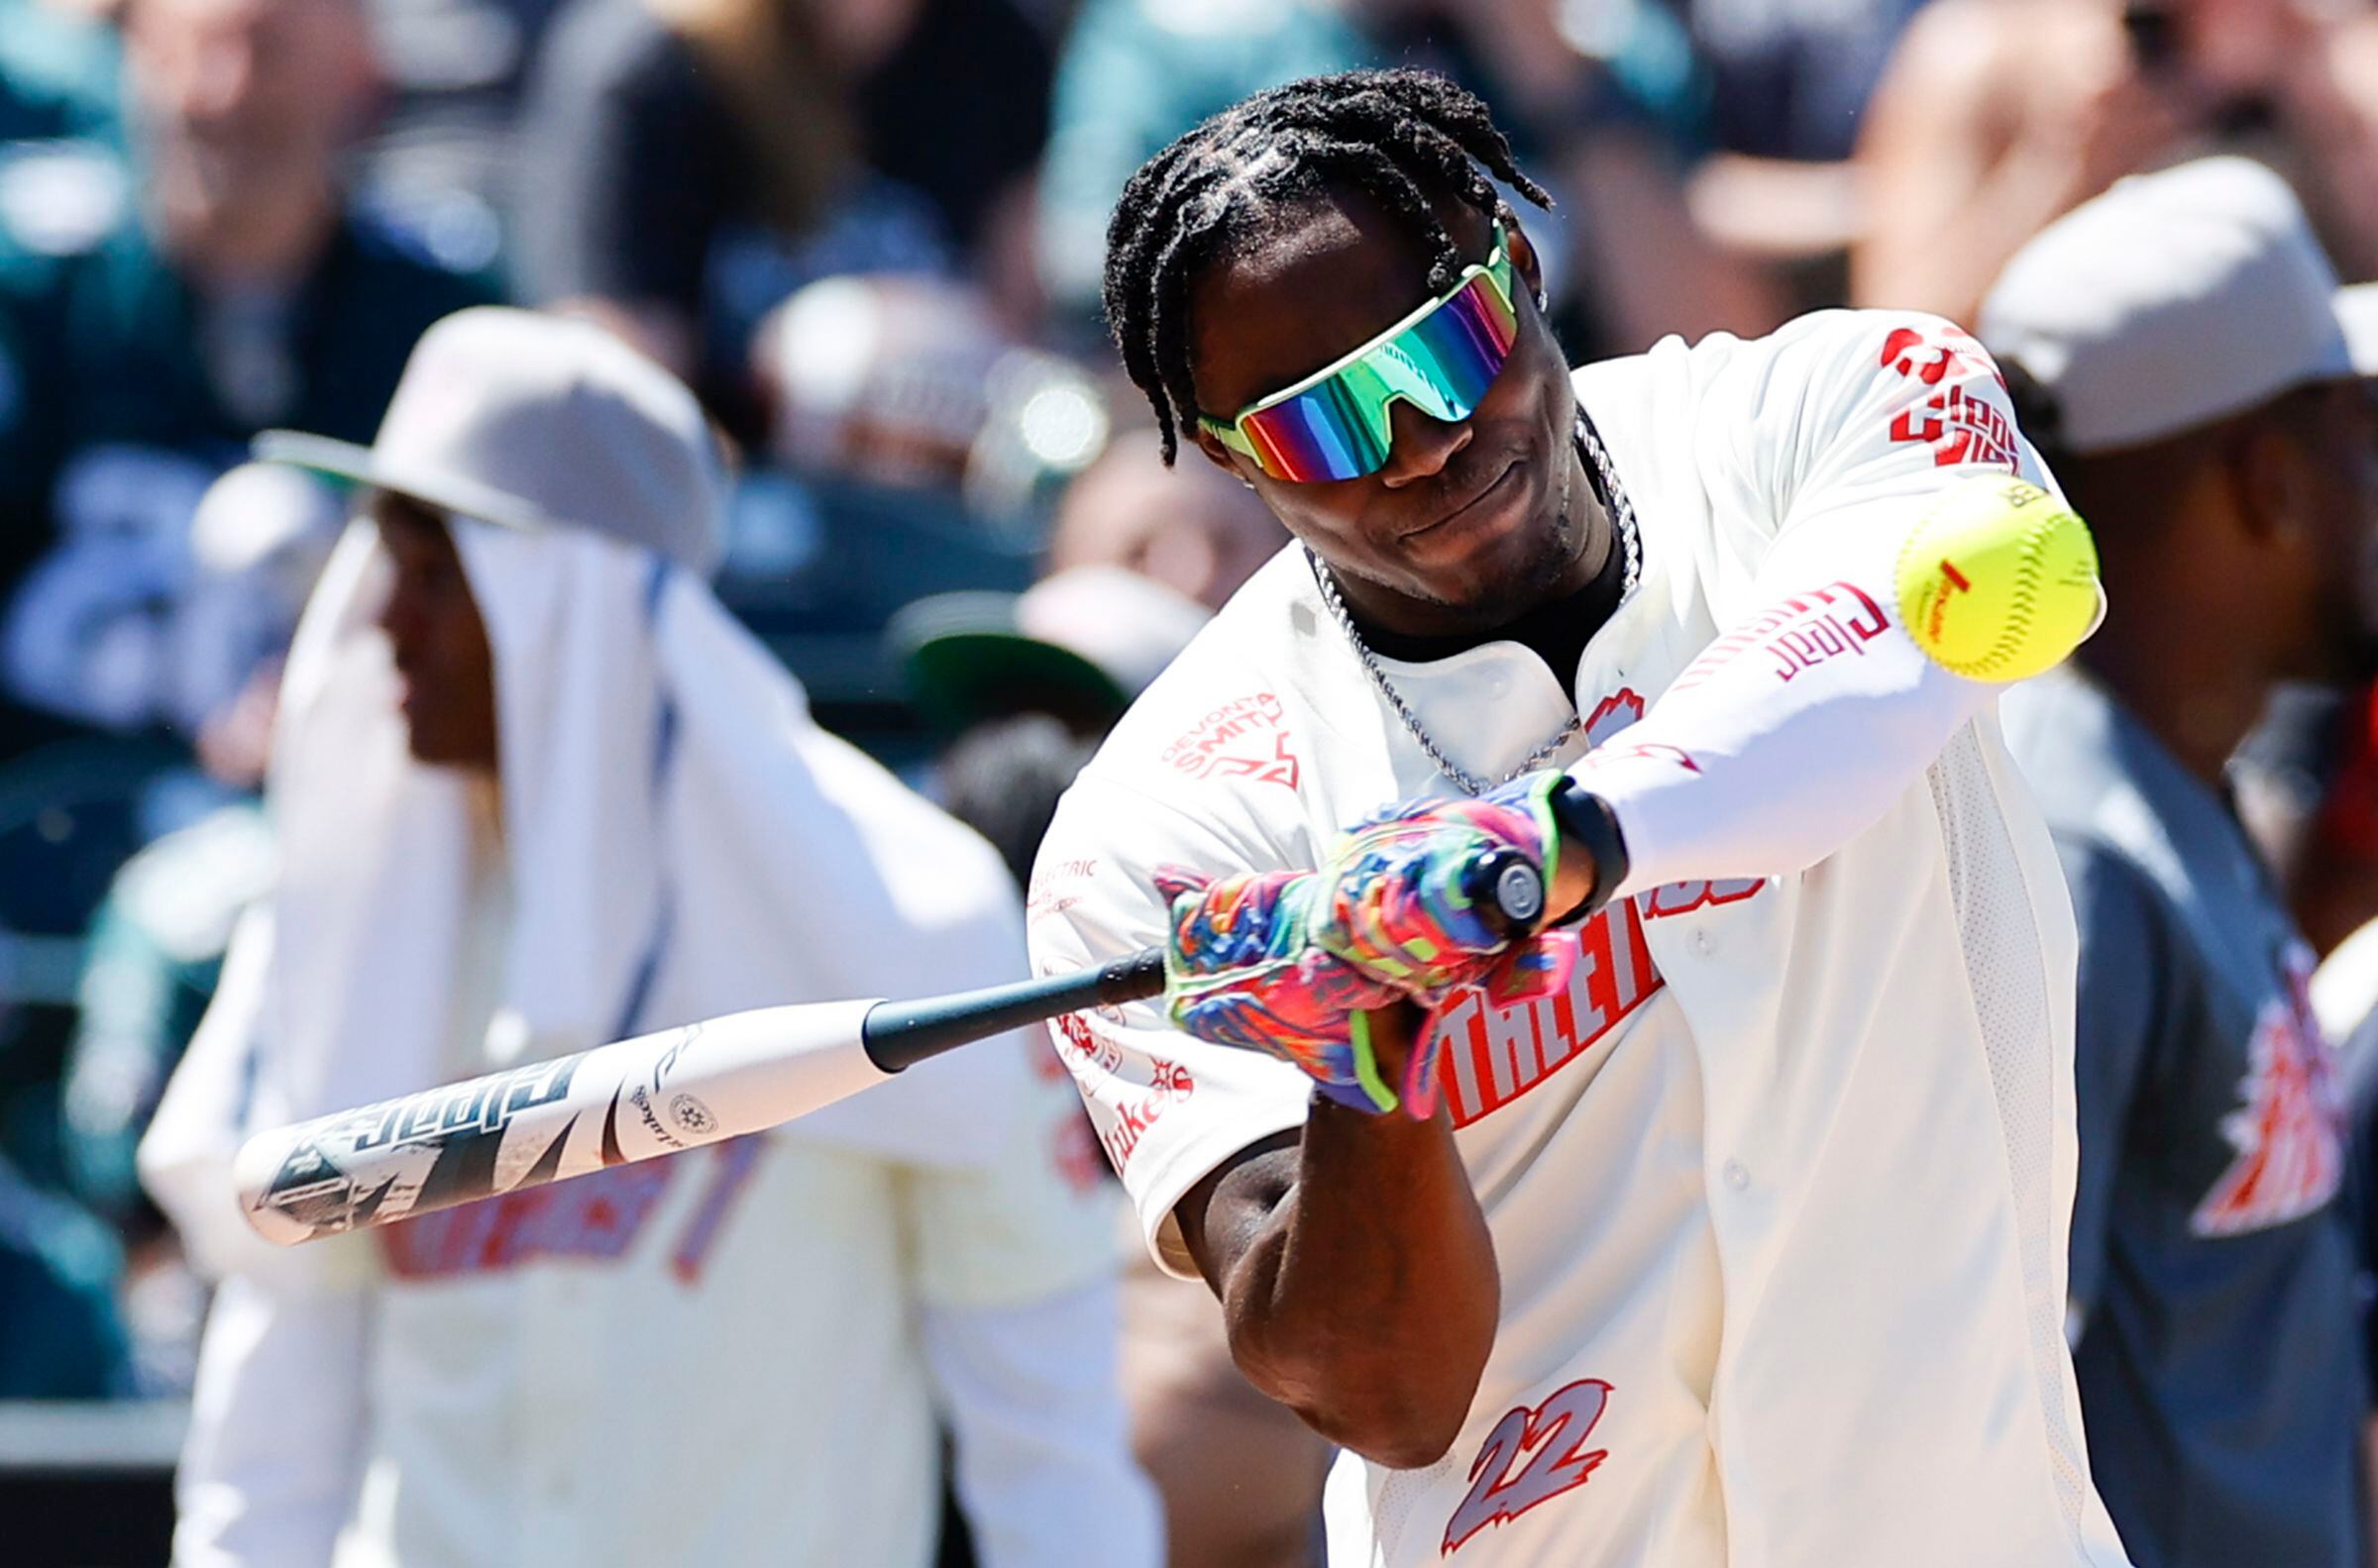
pixel 1722 1220
pixel 533 788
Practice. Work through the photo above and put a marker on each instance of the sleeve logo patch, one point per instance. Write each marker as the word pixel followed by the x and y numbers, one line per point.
pixel 1245 737
pixel 1087 1051
pixel 1960 425
pixel 1799 634
pixel 1057 887
pixel 1127 1120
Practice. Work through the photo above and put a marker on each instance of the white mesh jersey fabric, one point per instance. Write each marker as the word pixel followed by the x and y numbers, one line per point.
pixel 2007 976
pixel 1397 1493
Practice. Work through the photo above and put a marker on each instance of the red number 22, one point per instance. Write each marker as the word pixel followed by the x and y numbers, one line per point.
pixel 1556 1465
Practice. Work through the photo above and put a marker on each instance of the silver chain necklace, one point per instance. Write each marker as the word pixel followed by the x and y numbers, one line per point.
pixel 1622 513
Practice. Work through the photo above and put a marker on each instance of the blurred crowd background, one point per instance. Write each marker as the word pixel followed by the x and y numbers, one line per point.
pixel 869 234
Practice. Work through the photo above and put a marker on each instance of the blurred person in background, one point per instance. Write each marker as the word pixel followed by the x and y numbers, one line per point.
pixel 2315 777
pixel 1022 686
pixel 1197 533
pixel 1132 74
pixel 2177 353
pixel 1076 647
pixel 57 81
pixel 153 316
pixel 1788 83
pixel 61 1335
pixel 1600 93
pixel 156 947
pixel 909 381
pixel 141 351
pixel 1998 116
pixel 1790 80
pixel 685 165
pixel 438 162
pixel 2305 785
pixel 1605 98
pixel 534 789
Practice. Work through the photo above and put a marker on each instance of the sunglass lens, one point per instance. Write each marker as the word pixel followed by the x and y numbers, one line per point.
pixel 1460 348
pixel 1319 435
pixel 1443 363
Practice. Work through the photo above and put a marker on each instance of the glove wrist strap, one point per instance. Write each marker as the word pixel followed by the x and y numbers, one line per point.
pixel 1587 824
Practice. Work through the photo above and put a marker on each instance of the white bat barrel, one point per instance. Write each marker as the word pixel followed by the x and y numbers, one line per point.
pixel 635 1100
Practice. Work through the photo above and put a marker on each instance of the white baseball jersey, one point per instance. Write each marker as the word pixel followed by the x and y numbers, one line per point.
pixel 737 1355
pixel 798 1287
pixel 1778 1188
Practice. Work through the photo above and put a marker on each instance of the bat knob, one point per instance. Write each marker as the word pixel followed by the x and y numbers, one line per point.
pixel 1507 883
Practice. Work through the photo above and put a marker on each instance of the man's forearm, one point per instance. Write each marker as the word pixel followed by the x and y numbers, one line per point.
pixel 1364 1296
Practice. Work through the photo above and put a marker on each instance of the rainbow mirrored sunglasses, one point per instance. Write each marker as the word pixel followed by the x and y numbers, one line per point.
pixel 1441 358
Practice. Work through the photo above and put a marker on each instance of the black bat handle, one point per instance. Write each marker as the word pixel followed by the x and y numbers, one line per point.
pixel 898 1034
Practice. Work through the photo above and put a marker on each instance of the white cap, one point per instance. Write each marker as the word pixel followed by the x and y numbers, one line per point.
pixel 1129 625
pixel 2174 301
pixel 533 421
pixel 1096 635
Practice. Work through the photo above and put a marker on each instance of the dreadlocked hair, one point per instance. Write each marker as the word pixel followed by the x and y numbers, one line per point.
pixel 1242 175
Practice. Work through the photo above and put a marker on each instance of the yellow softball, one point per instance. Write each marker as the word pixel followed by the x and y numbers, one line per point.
pixel 1999 580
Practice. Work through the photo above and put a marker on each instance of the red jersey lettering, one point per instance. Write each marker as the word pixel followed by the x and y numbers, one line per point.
pixel 1494 1055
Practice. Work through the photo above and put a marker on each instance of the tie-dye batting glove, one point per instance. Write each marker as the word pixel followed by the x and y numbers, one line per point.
pixel 1413 904
pixel 1242 970
pixel 1403 898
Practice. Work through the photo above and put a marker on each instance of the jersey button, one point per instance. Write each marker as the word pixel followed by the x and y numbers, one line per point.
pixel 1738 1175
pixel 1701 943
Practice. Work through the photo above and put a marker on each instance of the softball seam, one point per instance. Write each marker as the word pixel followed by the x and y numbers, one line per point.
pixel 2023 594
